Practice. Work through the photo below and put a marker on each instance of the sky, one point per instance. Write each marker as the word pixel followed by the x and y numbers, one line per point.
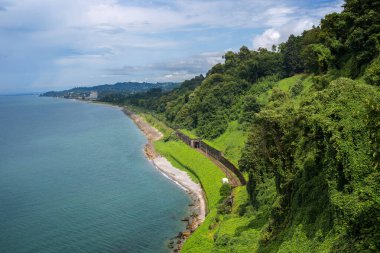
pixel 58 44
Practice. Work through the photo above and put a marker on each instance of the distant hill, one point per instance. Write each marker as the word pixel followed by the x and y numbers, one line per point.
pixel 107 89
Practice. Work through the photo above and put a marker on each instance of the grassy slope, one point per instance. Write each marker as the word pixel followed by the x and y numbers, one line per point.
pixel 244 229
pixel 295 238
pixel 191 134
pixel 235 232
pixel 240 231
pixel 188 159
pixel 201 170
pixel 204 171
pixel 285 85
pixel 246 233
pixel 231 142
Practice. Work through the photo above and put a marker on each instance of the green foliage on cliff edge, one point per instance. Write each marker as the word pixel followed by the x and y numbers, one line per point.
pixel 316 137
pixel 345 44
pixel 311 110
pixel 324 158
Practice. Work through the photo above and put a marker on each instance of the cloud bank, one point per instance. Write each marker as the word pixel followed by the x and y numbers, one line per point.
pixel 63 43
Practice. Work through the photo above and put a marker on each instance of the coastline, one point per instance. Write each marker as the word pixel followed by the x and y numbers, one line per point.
pixel 181 178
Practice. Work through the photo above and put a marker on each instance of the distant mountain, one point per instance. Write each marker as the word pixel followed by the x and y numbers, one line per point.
pixel 106 89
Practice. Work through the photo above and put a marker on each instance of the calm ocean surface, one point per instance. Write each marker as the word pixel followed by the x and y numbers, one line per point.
pixel 73 178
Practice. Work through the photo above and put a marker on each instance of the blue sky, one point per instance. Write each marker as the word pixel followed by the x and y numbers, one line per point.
pixel 57 44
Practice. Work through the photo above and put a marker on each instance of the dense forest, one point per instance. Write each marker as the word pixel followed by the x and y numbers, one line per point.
pixel 310 108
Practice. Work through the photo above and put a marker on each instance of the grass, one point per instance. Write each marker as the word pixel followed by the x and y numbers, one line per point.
pixel 307 86
pixel 219 226
pixel 204 171
pixel 202 240
pixel 231 142
pixel 295 239
pixel 284 84
pixel 232 222
pixel 189 133
pixel 198 166
pixel 245 229
pixel 209 175
pixel 239 231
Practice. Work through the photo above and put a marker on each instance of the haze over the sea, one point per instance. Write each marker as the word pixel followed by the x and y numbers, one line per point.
pixel 73 178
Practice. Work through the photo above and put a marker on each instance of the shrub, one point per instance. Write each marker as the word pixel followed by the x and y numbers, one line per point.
pixel 296 89
pixel 225 203
pixel 372 75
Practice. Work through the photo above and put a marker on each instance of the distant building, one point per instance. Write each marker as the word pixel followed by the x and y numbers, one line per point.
pixel 93 95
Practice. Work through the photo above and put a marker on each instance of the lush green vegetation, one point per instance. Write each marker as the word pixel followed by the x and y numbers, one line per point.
pixel 231 142
pixel 303 121
pixel 238 231
pixel 208 175
pixel 324 159
pixel 201 168
pixel 191 134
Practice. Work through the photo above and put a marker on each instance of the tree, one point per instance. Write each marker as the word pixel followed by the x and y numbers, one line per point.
pixel 317 58
pixel 292 55
pixel 231 59
pixel 372 75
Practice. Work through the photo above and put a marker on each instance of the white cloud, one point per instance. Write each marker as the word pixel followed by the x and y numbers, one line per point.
pixel 290 20
pixel 79 41
pixel 267 39
pixel 175 77
pixel 274 36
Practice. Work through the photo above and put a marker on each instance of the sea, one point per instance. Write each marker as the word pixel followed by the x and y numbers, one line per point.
pixel 74 178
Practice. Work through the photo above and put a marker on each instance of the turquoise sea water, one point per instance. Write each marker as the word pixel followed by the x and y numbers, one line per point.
pixel 73 178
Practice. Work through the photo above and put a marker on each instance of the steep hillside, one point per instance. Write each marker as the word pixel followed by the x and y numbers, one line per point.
pixel 322 154
pixel 302 122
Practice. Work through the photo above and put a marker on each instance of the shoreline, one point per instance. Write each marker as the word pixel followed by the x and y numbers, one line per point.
pixel 179 177
pixel 197 206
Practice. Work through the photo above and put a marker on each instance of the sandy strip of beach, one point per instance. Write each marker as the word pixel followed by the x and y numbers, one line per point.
pixel 178 176
pixel 183 179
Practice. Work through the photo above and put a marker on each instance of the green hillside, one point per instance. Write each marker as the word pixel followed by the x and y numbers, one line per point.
pixel 111 92
pixel 303 123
